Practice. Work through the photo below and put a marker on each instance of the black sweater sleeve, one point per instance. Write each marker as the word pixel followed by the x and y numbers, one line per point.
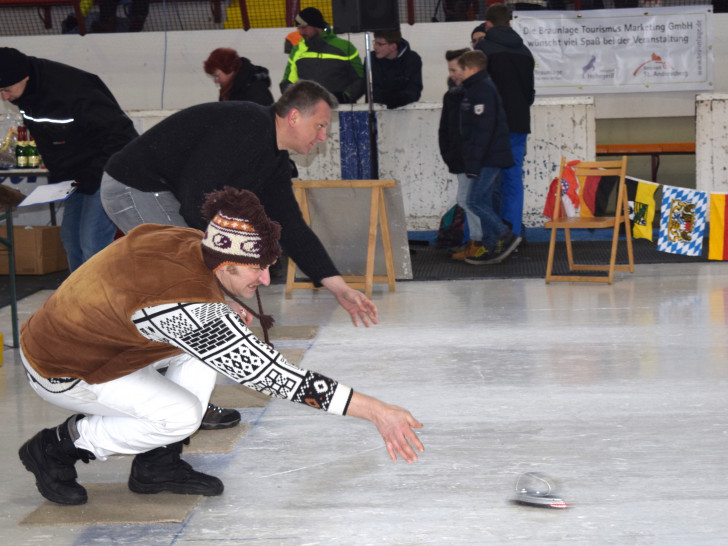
pixel 297 238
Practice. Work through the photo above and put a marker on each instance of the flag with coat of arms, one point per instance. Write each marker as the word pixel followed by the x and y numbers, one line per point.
pixel 682 221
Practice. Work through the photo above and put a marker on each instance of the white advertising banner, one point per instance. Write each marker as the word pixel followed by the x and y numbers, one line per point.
pixel 620 51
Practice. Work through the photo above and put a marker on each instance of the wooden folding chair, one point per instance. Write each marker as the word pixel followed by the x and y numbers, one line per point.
pixel 621 217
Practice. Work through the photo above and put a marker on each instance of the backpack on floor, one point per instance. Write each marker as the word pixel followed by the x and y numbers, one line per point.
pixel 453 228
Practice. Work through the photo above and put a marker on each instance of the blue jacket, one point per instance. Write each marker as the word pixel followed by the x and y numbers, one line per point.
pixel 486 142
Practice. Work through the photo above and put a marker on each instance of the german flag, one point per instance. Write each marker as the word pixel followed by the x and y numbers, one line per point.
pixel 718 247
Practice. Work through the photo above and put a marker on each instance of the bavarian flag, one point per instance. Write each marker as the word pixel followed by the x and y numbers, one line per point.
pixel 641 201
pixel 718 247
pixel 682 221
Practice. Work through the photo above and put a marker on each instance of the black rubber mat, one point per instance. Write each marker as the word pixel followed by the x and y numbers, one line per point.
pixel 430 263
pixel 529 260
pixel 26 285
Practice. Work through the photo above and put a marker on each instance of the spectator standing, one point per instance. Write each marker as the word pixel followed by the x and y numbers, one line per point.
pixel 238 78
pixel 77 125
pixel 325 58
pixel 486 150
pixel 163 175
pixel 396 70
pixel 511 67
pixel 477 34
pixel 451 147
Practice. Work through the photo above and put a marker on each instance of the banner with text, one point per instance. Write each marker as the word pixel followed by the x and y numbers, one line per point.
pixel 620 51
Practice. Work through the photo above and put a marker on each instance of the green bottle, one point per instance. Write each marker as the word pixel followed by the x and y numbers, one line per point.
pixel 32 153
pixel 21 157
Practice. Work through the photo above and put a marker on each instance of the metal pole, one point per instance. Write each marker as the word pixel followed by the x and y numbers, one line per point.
pixel 373 155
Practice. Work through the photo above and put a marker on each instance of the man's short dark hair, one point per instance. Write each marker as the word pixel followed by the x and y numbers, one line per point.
pixel 303 95
pixel 390 36
pixel 473 59
pixel 452 54
pixel 499 15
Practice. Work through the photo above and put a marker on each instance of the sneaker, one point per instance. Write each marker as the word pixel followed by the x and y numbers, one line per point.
pixel 216 418
pixel 499 252
pixel 51 456
pixel 466 250
pixel 162 469
pixel 459 248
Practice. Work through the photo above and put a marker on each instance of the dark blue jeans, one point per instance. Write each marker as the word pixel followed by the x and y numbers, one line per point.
pixel 480 201
pixel 85 228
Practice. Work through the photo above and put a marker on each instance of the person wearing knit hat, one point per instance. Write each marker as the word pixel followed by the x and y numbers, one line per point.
pixel 477 34
pixel 157 298
pixel 56 99
pixel 311 17
pixel 14 72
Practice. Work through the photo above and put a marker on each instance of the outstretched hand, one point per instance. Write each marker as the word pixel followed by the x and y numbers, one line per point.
pixel 356 303
pixel 395 424
pixel 396 428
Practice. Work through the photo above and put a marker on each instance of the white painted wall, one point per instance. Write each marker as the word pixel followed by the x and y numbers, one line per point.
pixel 711 144
pixel 144 77
pixel 151 70
pixel 409 153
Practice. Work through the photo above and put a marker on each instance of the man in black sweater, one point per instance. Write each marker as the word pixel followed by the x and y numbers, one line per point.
pixel 162 176
pixel 510 66
pixel 77 125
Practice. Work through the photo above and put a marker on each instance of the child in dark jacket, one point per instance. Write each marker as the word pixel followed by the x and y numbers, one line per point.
pixel 451 146
pixel 486 150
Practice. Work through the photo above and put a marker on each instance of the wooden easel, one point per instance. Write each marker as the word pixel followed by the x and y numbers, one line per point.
pixel 377 216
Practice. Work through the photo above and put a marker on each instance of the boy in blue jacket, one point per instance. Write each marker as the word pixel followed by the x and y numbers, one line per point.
pixel 486 150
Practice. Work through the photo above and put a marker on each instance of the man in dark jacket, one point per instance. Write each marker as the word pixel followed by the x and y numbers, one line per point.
pixel 77 125
pixel 325 58
pixel 511 66
pixel 163 175
pixel 396 70
pixel 486 150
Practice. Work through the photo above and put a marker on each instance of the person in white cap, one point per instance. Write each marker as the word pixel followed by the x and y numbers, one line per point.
pixel 153 298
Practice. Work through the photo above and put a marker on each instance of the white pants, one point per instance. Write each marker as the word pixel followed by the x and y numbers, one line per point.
pixel 140 411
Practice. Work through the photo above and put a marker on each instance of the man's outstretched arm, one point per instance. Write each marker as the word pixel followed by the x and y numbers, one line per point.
pixel 395 424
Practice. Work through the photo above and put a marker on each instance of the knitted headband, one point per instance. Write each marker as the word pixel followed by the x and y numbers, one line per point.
pixel 238 232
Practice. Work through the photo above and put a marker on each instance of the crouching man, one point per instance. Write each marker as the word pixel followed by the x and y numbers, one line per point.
pixel 153 299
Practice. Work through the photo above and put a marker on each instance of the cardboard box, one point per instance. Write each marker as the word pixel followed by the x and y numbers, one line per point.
pixel 38 250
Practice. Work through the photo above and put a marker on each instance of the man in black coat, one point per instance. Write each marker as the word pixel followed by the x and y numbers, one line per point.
pixel 77 125
pixel 396 70
pixel 510 66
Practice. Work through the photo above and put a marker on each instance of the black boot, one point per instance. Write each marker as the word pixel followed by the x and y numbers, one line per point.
pixel 51 456
pixel 162 469
pixel 217 418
